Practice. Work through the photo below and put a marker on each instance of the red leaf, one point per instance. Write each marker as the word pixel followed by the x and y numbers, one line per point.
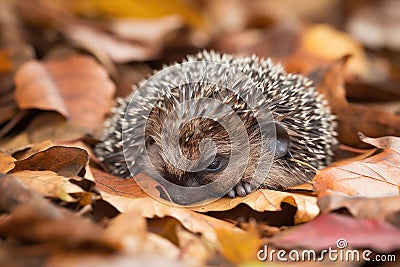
pixel 327 229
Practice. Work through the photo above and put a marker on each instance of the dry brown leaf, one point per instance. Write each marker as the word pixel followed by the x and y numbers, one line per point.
pixel 30 226
pixel 76 87
pixel 194 222
pixel 50 184
pixel 6 163
pixel 149 31
pixel 269 200
pixel 36 220
pixel 117 185
pixel 119 50
pixel 25 152
pixel 66 161
pixel 14 143
pixel 126 226
pixel 13 53
pixel 375 176
pixel 53 126
pixel 14 193
pixel 192 245
pixel 352 118
pixel 382 208
pixel 391 142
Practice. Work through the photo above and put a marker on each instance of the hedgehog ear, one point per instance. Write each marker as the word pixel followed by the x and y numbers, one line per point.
pixel 282 140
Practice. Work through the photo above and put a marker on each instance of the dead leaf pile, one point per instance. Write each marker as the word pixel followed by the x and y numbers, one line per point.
pixel 62 65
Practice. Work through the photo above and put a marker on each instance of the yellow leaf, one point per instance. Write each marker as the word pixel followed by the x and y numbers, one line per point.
pixel 328 43
pixel 141 9
pixel 239 246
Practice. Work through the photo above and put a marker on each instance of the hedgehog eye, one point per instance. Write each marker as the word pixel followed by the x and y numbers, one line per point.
pixel 215 165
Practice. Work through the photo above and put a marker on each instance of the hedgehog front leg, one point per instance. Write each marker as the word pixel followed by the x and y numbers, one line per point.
pixel 242 189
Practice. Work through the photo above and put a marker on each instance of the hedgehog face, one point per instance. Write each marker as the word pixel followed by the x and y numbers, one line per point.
pixel 206 163
pixel 211 164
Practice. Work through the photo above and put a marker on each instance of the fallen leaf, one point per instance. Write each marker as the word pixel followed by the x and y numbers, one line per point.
pixel 352 118
pixel 381 208
pixel 6 163
pixel 13 53
pixel 391 142
pixel 194 222
pixel 325 42
pixel 239 246
pixel 149 31
pixel 126 226
pixel 5 63
pixel 33 219
pixel 25 152
pixel 268 200
pixel 139 9
pixel 53 126
pixel 117 185
pixel 381 22
pixel 260 200
pixel 76 87
pixel 27 226
pixel 375 176
pixel 65 161
pixel 327 229
pixel 14 143
pixel 50 184
pixel 119 50
pixel 193 246
pixel 14 193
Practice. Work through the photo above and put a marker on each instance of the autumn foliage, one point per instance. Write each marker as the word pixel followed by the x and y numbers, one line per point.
pixel 62 65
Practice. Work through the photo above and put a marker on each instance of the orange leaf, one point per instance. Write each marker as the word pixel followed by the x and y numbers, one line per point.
pixel 6 163
pixel 76 87
pixel 117 185
pixel 268 200
pixel 375 176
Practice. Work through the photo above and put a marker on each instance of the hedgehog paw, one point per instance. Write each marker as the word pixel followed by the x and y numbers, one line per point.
pixel 242 189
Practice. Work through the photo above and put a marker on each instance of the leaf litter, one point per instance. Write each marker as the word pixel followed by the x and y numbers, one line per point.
pixel 60 207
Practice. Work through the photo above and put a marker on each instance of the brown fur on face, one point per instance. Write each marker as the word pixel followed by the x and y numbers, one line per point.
pixel 190 138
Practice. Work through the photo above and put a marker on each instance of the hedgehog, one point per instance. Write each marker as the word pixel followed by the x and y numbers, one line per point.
pixel 189 122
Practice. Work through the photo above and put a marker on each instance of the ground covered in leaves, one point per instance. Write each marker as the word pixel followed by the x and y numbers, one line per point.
pixel 63 63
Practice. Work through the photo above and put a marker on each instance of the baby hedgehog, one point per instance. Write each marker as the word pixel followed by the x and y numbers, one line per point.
pixel 301 121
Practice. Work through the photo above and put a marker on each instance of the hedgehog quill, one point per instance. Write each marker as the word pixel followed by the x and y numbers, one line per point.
pixel 241 121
